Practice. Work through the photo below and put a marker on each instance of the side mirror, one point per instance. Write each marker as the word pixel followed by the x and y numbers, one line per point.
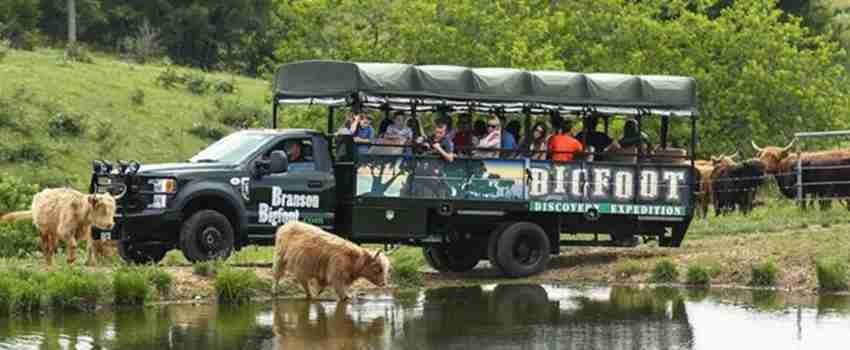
pixel 278 162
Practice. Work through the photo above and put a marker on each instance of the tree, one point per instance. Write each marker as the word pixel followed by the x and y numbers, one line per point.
pixel 72 22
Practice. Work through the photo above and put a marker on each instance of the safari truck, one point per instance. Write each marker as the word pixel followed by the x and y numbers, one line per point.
pixel 511 209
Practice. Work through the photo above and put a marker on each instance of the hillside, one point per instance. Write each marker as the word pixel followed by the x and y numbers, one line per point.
pixel 56 116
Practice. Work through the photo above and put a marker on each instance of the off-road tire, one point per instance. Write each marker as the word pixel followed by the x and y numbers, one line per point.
pixel 141 253
pixel 492 243
pixel 206 235
pixel 454 259
pixel 522 249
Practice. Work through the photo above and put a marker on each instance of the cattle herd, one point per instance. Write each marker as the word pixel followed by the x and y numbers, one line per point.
pixel 730 185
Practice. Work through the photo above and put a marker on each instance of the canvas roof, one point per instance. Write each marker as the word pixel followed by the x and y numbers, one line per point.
pixel 404 83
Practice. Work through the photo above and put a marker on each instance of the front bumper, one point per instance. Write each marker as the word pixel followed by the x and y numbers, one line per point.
pixel 148 225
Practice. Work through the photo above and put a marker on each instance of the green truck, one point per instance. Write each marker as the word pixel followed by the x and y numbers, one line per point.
pixel 510 209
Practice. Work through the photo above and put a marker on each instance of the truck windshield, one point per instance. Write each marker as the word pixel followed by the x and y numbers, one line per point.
pixel 231 149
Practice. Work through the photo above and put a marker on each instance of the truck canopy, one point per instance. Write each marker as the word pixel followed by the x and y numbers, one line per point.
pixel 404 87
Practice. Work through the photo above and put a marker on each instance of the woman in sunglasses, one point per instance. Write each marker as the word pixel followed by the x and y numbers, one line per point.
pixel 493 140
pixel 536 146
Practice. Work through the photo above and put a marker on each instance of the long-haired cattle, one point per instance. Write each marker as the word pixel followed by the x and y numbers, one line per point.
pixel 736 186
pixel 68 215
pixel 310 253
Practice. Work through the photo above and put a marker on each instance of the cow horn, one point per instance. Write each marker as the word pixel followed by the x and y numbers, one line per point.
pixel 377 254
pixel 757 148
pixel 737 154
pixel 788 148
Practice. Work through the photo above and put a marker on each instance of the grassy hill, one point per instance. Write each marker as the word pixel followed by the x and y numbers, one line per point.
pixel 56 116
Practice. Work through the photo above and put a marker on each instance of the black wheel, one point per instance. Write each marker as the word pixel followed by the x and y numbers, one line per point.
pixel 207 235
pixel 492 243
pixel 428 254
pixel 455 258
pixel 141 253
pixel 522 249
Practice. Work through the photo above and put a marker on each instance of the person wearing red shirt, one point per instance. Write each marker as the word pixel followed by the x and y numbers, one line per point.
pixel 563 146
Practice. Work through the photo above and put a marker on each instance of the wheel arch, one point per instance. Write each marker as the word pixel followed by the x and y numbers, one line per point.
pixel 222 200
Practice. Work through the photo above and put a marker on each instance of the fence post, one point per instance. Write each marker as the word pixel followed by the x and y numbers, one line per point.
pixel 799 174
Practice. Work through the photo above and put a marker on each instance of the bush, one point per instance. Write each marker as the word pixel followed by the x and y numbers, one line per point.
pixel 406 267
pixel 75 288
pixel 197 83
pixel 18 240
pixel 15 194
pixel 137 97
pixel 698 275
pixel 8 293
pixel 169 78
pixel 63 124
pixel 236 286
pixel 77 53
pixel 626 268
pixel 237 115
pixel 832 273
pixel 208 132
pixel 31 295
pixel 26 152
pixel 130 287
pixel 764 274
pixel 205 268
pixel 665 271
pixel 144 46
pixel 224 87
pixel 174 258
pixel 161 280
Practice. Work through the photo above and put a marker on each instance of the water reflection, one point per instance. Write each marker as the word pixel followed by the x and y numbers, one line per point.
pixel 502 316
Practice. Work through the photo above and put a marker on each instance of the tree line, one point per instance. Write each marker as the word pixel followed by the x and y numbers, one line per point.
pixel 766 68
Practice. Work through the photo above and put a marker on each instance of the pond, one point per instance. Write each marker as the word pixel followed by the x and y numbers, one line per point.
pixel 492 316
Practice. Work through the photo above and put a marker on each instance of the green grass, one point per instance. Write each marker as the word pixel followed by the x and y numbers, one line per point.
pixel 698 275
pixel 237 285
pixel 764 274
pixel 407 264
pixel 778 214
pixel 832 273
pixel 42 85
pixel 130 286
pixel 626 268
pixel 665 271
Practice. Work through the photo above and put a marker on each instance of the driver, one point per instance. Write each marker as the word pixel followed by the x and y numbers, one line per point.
pixel 295 154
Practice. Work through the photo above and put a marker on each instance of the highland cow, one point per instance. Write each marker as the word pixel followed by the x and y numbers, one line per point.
pixel 68 215
pixel 310 253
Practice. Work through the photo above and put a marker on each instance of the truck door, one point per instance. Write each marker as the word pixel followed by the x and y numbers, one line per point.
pixel 304 192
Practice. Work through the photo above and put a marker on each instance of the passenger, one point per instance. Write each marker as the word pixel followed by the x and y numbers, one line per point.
pixel 508 136
pixel 348 126
pixel 385 123
pixel 440 144
pixel 632 140
pixel 398 132
pixel 563 146
pixel 592 138
pixel 364 133
pixel 413 124
pixel 479 129
pixel 536 146
pixel 463 137
pixel 492 140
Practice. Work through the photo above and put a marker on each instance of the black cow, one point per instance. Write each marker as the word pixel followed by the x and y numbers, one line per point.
pixel 824 179
pixel 736 185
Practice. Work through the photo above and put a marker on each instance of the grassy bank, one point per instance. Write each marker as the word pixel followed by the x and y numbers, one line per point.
pixel 56 116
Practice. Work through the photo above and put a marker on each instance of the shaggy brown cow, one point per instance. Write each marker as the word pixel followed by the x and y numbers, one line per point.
pixel 781 160
pixel 308 252
pixel 67 214
pixel 706 169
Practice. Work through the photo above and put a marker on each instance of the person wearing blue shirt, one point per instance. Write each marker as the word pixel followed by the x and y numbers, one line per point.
pixel 297 161
pixel 364 134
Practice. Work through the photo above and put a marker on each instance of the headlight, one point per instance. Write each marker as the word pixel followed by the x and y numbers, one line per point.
pixel 164 185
